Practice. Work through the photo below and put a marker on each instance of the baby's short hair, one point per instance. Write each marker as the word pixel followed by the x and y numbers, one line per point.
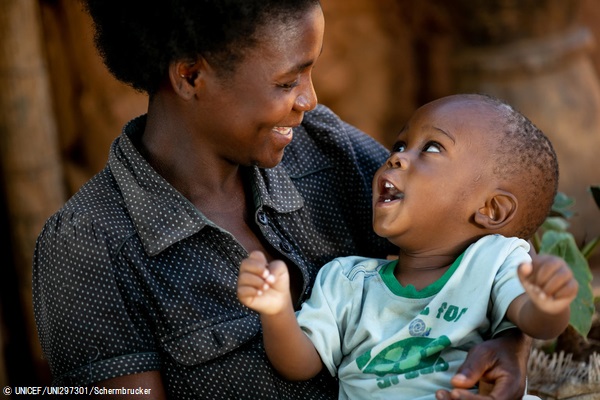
pixel 524 153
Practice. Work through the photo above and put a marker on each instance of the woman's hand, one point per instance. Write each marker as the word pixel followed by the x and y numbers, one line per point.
pixel 499 366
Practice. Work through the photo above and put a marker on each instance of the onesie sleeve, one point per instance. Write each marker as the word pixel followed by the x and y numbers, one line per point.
pixel 507 286
pixel 85 329
pixel 327 314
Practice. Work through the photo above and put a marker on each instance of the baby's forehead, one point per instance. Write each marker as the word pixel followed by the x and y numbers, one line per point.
pixel 468 107
pixel 464 116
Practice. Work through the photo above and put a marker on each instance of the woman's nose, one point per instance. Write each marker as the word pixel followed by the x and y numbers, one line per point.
pixel 307 98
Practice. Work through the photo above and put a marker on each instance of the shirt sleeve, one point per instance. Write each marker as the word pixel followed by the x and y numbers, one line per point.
pixel 507 286
pixel 331 309
pixel 84 328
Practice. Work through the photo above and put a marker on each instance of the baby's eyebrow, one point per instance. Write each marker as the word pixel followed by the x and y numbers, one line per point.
pixel 445 133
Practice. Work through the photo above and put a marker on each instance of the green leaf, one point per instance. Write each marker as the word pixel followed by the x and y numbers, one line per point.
pixel 561 205
pixel 562 244
pixel 555 224
pixel 590 247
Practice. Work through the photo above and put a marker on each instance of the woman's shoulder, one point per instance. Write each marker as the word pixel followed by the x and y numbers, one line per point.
pixel 96 208
pixel 323 123
pixel 323 139
pixel 322 117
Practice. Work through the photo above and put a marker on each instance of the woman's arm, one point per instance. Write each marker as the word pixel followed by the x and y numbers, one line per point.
pixel 265 289
pixel 147 385
pixel 499 365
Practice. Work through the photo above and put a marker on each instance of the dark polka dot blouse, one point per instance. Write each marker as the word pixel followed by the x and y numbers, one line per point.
pixel 130 277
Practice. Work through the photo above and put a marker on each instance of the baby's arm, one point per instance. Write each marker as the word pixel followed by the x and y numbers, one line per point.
pixel 543 311
pixel 265 288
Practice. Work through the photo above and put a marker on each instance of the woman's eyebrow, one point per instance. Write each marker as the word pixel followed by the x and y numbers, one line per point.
pixel 303 66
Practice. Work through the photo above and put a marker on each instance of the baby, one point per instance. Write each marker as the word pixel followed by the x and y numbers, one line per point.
pixel 468 181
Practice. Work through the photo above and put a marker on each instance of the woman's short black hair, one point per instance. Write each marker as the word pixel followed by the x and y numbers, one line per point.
pixel 138 39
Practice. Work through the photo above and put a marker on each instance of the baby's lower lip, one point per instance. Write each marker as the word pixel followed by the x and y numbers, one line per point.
pixel 388 199
pixel 283 130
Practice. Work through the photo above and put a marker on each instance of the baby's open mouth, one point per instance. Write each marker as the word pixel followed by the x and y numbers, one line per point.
pixel 389 193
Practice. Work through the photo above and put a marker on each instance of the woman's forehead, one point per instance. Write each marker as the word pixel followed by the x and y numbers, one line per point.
pixel 288 46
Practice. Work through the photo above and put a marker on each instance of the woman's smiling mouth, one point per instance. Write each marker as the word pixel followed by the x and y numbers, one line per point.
pixel 283 130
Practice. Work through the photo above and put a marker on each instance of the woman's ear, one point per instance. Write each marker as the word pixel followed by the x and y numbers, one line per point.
pixel 498 211
pixel 185 77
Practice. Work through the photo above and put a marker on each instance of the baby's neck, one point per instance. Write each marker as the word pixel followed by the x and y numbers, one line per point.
pixel 421 271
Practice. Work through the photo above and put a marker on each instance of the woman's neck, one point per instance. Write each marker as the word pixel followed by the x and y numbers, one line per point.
pixel 175 149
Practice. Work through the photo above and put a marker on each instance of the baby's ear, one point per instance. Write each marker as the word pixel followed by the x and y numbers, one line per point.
pixel 499 209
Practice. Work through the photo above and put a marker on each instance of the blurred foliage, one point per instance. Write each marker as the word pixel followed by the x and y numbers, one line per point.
pixel 554 237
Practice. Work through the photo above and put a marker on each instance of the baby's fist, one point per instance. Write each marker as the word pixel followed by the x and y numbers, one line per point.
pixel 549 282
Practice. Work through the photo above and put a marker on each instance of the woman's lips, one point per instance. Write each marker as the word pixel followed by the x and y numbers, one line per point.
pixel 283 130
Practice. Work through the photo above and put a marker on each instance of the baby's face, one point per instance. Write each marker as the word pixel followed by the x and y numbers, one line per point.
pixel 437 176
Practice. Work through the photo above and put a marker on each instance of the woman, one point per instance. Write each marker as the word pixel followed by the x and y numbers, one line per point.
pixel 135 277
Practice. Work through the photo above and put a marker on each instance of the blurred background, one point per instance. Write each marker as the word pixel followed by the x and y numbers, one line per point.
pixel 60 109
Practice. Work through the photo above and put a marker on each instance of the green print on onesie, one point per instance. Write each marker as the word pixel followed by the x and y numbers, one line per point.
pixel 409 357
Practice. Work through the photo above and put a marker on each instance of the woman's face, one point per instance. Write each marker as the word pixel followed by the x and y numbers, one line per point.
pixel 247 116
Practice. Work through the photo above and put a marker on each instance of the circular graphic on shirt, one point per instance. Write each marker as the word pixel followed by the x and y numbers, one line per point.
pixel 418 327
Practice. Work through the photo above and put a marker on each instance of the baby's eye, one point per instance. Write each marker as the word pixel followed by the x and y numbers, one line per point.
pixel 399 147
pixel 433 147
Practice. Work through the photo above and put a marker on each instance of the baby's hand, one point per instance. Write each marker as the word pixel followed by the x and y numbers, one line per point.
pixel 263 287
pixel 549 282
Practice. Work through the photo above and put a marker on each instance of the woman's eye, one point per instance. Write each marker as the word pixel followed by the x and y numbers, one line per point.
pixel 289 85
pixel 433 147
